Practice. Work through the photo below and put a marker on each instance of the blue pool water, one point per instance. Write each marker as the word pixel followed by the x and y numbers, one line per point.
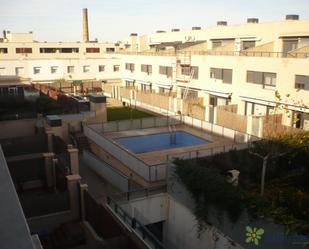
pixel 160 141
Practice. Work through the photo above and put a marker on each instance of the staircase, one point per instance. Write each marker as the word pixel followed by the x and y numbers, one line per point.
pixel 81 141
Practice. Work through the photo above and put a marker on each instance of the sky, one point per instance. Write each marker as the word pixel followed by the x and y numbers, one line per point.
pixel 114 20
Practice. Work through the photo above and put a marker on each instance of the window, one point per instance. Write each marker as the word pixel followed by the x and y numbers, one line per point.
pixel 23 50
pixel 13 91
pixel 227 75
pixel 195 74
pixel 101 68
pixel 129 83
pixel 185 70
pixel 191 94
pixel 110 50
pixel 216 44
pixel 68 50
pixel 223 74
pixel 302 82
pixel 168 71
pixel 163 90
pixel 47 50
pixel 3 50
pixel 19 70
pixel 257 109
pixel 36 70
pixel 255 77
pixel 263 78
pixel 116 68
pixel 130 67
pixel 59 50
pixel 269 79
pixel 289 45
pixel 145 88
pixel 146 68
pixel 92 50
pixel 216 73
pixel 218 101
pixel 53 69
pixel 213 101
pixel 2 70
pixel 248 44
pixel 86 69
pixel 70 69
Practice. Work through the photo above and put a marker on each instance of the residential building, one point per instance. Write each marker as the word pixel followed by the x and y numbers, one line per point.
pixel 248 65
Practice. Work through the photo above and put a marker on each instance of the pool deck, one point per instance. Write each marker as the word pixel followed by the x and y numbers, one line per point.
pixel 159 157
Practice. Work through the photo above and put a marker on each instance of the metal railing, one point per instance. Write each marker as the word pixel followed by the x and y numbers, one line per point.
pixel 222 53
pixel 134 124
pixel 208 152
pixel 150 173
pixel 236 136
pixel 139 193
pixel 137 227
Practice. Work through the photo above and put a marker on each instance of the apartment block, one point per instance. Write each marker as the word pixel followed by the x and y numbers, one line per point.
pixel 260 67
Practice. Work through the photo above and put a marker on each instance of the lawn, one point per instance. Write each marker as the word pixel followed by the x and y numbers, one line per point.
pixel 123 113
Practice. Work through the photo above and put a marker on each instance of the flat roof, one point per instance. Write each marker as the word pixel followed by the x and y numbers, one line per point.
pixel 14 230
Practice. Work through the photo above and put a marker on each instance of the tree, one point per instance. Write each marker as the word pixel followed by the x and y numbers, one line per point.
pixel 276 146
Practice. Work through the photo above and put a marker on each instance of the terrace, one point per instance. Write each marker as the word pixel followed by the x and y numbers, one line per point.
pixel 149 168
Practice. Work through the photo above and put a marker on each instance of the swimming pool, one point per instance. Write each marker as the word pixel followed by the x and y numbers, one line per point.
pixel 160 141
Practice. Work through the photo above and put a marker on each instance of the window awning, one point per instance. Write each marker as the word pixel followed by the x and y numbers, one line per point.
pixel 291 106
pixel 127 79
pixel 163 85
pixel 148 83
pixel 299 35
pixel 258 101
pixel 219 94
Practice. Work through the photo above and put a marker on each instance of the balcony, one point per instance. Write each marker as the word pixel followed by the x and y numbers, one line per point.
pixel 292 54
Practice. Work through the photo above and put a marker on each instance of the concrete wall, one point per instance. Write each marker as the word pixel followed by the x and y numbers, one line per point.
pixel 17 128
pixel 49 222
pixel 27 43
pixel 62 64
pixel 148 210
pixel 106 171
pixel 182 231
pixel 265 32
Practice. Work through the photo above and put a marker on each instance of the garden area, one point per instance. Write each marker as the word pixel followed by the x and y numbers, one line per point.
pixel 273 183
pixel 20 107
pixel 124 113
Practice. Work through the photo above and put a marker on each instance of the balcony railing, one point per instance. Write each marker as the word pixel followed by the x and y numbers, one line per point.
pixel 222 53
pixel 135 225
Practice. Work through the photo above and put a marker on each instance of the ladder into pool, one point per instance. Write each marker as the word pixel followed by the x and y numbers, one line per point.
pixel 172 130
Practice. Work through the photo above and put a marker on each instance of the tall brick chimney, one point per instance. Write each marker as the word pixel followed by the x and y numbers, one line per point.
pixel 85 25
